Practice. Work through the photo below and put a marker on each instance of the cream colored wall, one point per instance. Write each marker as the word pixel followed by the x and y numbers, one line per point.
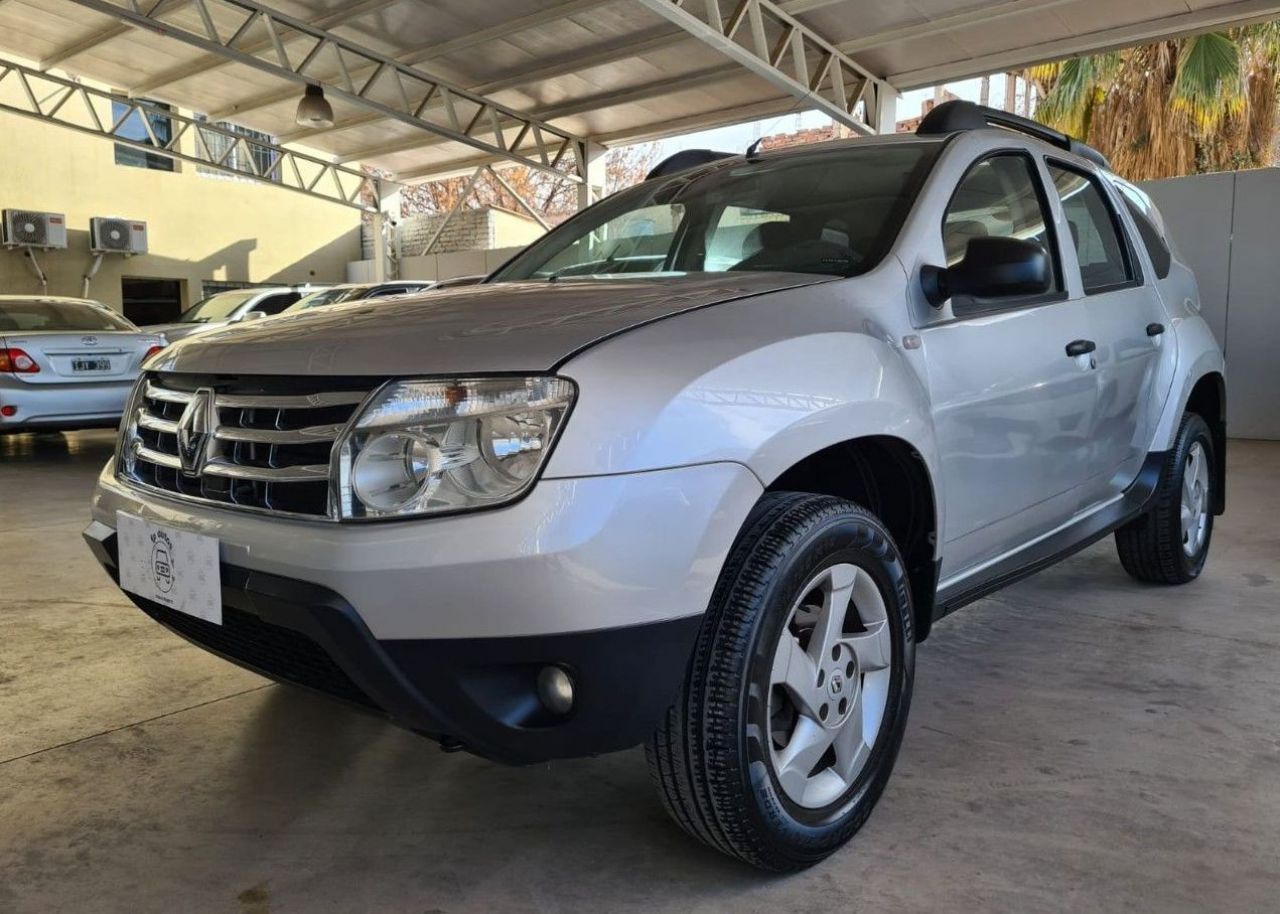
pixel 199 227
pixel 512 231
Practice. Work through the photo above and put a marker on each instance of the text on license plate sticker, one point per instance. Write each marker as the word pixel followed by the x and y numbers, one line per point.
pixel 175 568
pixel 90 364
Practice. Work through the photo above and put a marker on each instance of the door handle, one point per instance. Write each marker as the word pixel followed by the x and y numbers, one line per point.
pixel 1155 329
pixel 1080 347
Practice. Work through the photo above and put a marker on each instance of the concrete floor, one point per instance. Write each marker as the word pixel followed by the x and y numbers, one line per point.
pixel 1078 742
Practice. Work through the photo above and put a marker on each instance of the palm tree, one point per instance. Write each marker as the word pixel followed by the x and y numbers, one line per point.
pixel 1199 104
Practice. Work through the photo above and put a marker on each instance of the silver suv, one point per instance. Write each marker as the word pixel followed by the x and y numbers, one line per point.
pixel 698 470
pixel 233 306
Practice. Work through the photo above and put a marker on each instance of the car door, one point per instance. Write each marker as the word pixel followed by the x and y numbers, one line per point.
pixel 1012 411
pixel 1127 326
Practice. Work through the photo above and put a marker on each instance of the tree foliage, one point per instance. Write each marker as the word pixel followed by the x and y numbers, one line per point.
pixel 1199 104
pixel 553 198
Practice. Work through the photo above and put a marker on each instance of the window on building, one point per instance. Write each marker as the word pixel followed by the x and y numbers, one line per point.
pixel 148 123
pixel 253 155
pixel 151 301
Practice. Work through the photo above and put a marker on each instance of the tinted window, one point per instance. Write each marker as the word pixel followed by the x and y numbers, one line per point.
pixel 39 316
pixel 274 304
pixel 1146 218
pixel 833 212
pixel 1104 261
pixel 998 197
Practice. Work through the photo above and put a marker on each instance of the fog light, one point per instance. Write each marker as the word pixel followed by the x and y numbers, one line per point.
pixel 555 689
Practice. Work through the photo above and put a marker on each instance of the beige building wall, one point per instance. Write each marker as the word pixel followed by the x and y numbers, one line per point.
pixel 200 227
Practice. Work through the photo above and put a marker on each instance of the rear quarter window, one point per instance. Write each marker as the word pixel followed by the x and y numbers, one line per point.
pixel 1145 218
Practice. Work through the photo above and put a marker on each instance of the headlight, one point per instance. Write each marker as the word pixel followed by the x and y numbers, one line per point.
pixel 423 447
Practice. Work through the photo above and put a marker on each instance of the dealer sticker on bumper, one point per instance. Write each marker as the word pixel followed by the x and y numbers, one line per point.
pixel 175 568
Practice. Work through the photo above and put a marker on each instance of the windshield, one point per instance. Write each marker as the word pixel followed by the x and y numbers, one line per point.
pixel 41 316
pixel 216 307
pixel 832 211
pixel 326 297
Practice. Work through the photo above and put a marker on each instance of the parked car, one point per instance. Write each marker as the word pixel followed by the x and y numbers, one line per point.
pixel 346 292
pixel 698 469
pixel 232 307
pixel 66 363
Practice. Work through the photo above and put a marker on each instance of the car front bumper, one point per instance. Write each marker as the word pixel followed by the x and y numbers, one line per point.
pixel 53 407
pixel 444 625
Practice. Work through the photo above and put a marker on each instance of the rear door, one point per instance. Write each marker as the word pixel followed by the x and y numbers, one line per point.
pixel 1012 411
pixel 1127 325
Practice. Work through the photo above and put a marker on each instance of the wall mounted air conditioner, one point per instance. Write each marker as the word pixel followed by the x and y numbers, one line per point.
pixel 113 235
pixel 25 228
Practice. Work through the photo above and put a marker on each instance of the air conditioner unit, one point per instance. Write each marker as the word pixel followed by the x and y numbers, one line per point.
pixel 23 228
pixel 112 235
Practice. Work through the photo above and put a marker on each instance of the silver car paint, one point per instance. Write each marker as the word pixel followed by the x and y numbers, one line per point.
pixel 741 391
pixel 574 555
pixel 56 397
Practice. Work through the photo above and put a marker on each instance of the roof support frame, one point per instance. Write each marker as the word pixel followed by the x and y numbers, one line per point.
pixel 289 169
pixel 471 120
pixel 774 45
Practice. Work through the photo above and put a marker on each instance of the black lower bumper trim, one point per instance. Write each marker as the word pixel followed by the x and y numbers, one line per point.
pixel 480 692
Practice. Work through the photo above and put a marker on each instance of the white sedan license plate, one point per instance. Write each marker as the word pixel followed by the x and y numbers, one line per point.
pixel 175 568
pixel 82 365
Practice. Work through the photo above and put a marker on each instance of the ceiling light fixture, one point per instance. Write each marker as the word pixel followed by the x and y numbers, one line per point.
pixel 314 110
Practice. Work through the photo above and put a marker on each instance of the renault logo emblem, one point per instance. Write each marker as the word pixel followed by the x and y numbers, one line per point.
pixel 195 431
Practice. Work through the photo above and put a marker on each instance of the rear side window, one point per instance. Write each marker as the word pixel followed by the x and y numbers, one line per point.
pixel 1095 232
pixel 274 304
pixel 1146 219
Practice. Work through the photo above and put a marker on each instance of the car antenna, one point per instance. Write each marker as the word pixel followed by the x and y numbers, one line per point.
pixel 751 150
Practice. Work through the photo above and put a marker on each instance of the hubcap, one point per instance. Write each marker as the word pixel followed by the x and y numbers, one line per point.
pixel 1195 500
pixel 829 685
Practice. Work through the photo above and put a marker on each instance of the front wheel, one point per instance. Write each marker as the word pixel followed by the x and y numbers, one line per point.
pixel 796 698
pixel 1169 544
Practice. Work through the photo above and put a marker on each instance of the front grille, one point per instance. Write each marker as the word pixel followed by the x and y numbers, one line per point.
pixel 266 445
pixel 281 653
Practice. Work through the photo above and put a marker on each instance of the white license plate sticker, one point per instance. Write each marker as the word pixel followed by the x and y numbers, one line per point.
pixel 175 568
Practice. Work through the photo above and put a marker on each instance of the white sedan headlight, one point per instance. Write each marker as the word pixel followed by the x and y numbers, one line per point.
pixel 426 447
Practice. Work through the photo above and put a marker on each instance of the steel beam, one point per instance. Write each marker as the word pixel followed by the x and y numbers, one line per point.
pixel 1206 19
pixel 55 100
pixel 630 95
pixel 421 55
pixel 780 49
pixel 89 42
pixel 394 89
pixel 215 61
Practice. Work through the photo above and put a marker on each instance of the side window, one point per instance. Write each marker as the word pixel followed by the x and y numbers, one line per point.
pixel 1100 248
pixel 1150 227
pixel 997 197
pixel 274 304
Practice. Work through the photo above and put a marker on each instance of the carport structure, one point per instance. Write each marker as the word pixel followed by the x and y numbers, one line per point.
pixel 424 90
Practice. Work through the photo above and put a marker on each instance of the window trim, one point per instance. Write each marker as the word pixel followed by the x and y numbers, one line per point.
pixel 1137 279
pixel 983 307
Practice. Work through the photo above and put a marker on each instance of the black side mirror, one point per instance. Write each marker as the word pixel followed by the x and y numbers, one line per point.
pixel 992 268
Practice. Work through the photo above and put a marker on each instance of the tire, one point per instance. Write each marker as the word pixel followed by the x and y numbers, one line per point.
pixel 1161 547
pixel 731 756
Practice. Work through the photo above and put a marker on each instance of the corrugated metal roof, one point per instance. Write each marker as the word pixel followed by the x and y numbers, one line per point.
pixel 608 70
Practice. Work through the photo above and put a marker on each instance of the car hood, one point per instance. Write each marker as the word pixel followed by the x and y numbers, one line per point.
pixel 524 326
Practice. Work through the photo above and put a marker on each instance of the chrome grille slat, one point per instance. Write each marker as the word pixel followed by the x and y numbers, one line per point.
pixel 309 435
pixel 265 452
pixel 167 461
pixel 304 401
pixel 304 473
pixel 156 424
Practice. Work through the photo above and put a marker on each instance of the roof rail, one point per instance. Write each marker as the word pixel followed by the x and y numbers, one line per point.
pixel 956 115
pixel 686 159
